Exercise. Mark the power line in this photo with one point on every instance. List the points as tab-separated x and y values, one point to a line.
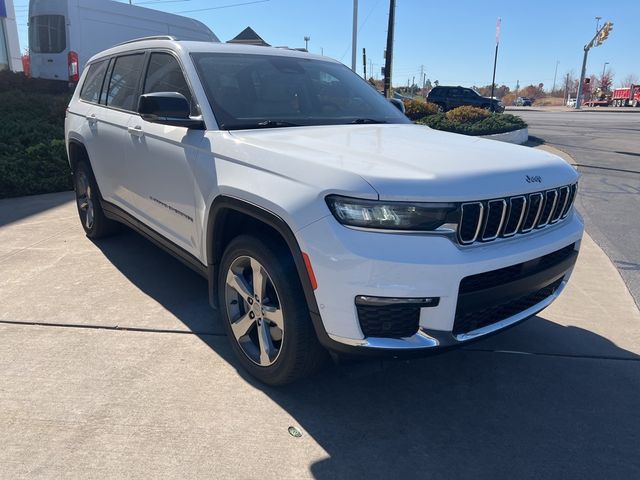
222	6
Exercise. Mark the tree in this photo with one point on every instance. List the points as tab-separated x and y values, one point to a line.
499	92
532	91
606	80
631	79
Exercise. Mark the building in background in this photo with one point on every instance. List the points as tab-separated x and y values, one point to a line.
249	37
9	45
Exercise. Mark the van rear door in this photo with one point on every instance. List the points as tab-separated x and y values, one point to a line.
48	47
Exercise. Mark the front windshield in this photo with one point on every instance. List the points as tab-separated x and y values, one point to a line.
267	91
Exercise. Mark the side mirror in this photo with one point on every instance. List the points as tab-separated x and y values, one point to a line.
399	104
168	108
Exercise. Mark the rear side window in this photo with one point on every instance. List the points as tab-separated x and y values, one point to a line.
93	84
47	34
165	75
123	86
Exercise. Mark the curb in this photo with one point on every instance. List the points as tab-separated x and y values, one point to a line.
517	137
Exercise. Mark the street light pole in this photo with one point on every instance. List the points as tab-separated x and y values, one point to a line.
495	60
554	77
354	35
604	69
306	43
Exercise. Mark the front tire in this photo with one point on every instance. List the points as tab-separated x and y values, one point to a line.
265	313
95	224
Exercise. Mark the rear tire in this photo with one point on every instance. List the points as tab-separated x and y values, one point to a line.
265	312
95	224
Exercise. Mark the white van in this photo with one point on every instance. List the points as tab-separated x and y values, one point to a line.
64	34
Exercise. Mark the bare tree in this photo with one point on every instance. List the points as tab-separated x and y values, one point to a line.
631	79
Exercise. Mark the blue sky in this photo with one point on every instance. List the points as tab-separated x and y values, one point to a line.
454	41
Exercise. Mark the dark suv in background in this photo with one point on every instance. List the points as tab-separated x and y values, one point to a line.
448	98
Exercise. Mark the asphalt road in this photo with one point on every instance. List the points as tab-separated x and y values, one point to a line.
606	146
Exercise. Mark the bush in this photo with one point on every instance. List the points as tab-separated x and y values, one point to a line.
417	109
467	114
32	154
490	125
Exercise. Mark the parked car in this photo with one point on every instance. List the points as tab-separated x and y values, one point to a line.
448	98
64	34
523	102
571	102
321	217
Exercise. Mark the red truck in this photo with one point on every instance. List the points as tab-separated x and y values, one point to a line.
624	97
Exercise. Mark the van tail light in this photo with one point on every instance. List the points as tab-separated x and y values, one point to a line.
74	67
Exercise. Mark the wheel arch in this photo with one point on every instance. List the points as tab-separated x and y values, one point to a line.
230	216
76	152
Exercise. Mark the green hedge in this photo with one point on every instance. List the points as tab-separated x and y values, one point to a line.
495	123
32	155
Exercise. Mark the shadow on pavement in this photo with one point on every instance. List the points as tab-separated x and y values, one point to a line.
472	413
14	209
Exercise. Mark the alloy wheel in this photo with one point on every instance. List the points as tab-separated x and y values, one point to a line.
254	311
84	198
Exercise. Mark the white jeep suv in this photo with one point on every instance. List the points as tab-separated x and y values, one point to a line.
320	216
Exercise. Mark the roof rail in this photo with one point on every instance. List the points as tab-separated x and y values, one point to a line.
152	37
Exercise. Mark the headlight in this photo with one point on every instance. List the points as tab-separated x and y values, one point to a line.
391	215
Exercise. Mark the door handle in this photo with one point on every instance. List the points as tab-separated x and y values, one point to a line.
136	131
92	119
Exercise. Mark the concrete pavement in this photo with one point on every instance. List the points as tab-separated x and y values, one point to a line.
114	366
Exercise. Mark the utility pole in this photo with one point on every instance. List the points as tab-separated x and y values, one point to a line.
604	70
413	82
597	40
364	62
354	35
566	90
306	43
495	58
554	77
422	75
389	52
371	72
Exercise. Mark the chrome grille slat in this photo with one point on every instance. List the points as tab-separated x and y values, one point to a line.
478	224
513	213
563	197
572	197
489	232
550	197
485	221
536	215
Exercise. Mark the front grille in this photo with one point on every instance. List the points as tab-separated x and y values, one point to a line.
389	321
486	220
470	321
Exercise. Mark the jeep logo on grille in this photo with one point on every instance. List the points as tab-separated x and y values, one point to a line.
533	179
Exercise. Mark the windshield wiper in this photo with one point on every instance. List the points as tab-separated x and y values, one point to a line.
368	120
263	124
277	123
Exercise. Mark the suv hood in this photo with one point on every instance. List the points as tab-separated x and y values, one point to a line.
414	162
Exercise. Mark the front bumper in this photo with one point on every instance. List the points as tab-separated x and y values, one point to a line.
349	263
